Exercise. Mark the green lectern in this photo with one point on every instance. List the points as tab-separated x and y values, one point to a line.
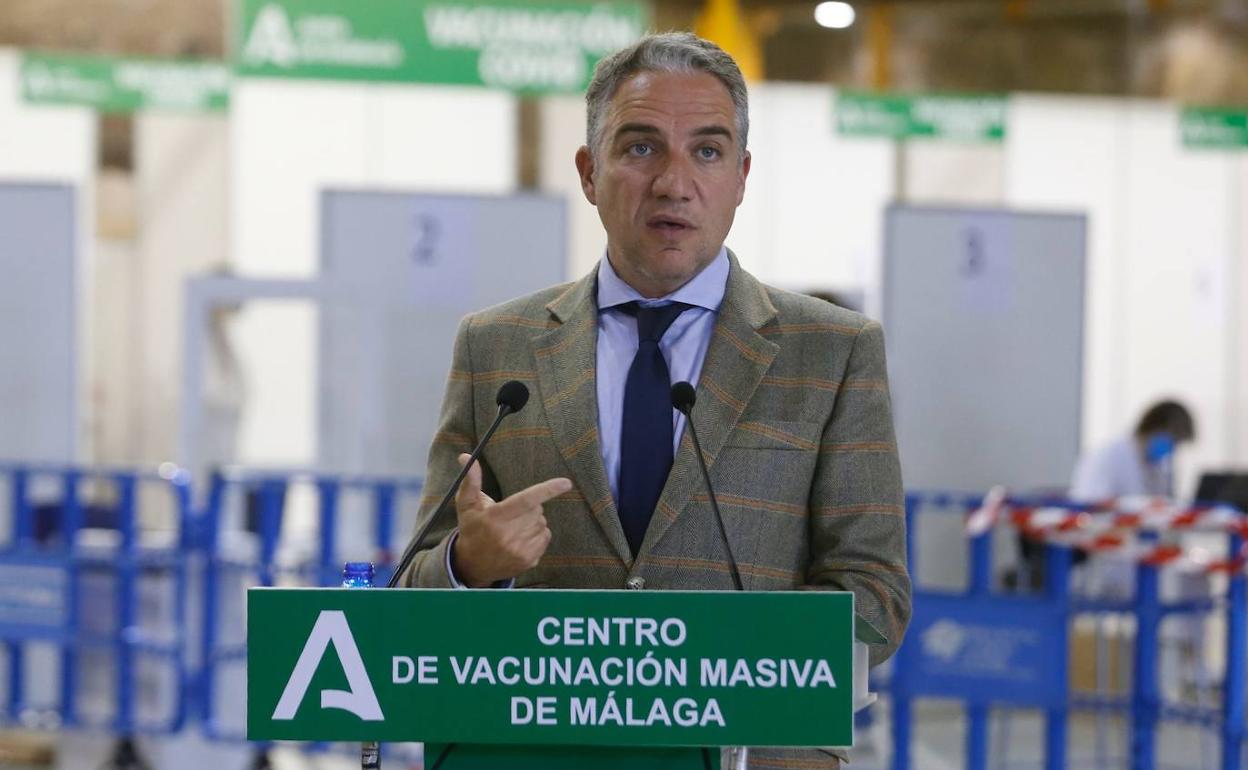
552	679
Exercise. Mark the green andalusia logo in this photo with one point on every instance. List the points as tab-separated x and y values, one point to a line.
271	40
308	39
331	628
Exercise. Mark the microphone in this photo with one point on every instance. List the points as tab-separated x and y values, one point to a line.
683	399
511	398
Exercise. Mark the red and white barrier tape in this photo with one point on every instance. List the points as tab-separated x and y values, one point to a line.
1114	527
986	515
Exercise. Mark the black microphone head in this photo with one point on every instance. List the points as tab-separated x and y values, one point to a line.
513	395
683	397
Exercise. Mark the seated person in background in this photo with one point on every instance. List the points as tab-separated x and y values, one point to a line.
1138	464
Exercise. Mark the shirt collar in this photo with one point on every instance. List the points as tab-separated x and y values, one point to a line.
705	290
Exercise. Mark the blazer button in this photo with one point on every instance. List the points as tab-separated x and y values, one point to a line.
635	583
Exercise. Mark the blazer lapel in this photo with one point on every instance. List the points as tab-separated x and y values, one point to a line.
736	361
566	363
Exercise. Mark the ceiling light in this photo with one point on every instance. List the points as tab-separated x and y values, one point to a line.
834	15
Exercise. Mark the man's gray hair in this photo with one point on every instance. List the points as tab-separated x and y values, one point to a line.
682	52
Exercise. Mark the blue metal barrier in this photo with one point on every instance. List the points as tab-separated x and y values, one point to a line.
64	579
1032	669
77	571
1236	671
262	497
983	648
1146	700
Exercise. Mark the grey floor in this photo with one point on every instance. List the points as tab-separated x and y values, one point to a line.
1016	743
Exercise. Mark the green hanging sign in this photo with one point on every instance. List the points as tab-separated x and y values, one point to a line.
1214	128
125	85
547	46
964	118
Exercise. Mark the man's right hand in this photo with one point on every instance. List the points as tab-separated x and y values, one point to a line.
499	540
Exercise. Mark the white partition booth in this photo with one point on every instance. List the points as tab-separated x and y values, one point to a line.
39	319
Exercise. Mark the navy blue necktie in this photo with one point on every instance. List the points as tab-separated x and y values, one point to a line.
646	433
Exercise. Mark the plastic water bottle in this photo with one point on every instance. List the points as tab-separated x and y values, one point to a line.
359	574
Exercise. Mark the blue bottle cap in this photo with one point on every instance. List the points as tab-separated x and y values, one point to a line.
357	574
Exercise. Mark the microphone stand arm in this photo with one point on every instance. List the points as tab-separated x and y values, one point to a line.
419	540
719	517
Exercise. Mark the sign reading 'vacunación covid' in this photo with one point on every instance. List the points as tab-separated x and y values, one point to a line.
586	668
511	44
965	118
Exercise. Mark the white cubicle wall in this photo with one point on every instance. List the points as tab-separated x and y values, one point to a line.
43	142
181	180
39	317
813	214
1237	380
1064	154
289	141
1167	240
1180	255
1165	253
984	311
406	268
1167	226
54	146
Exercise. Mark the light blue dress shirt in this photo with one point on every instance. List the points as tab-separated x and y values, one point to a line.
684	346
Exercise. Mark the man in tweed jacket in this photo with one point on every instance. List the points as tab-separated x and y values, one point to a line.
792	399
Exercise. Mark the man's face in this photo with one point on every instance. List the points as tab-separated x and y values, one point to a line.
667	177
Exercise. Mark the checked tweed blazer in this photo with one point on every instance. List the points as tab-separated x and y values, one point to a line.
793	412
